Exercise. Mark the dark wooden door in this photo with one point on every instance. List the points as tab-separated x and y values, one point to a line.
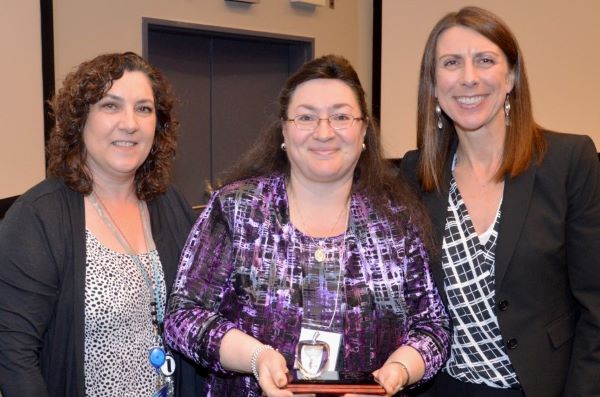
228	85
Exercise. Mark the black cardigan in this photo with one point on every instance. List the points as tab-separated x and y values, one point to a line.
42	284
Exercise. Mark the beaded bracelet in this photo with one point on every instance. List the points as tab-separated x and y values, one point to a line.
254	358
400	363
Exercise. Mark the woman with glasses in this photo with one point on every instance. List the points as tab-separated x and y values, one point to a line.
312	255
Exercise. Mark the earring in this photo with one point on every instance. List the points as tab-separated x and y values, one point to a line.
364	147
283	147
438	113
507	110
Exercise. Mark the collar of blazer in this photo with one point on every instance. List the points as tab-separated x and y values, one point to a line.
515	202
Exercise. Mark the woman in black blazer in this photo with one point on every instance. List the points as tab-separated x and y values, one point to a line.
516	210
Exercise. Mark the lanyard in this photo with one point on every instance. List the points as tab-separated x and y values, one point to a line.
321	258
156	310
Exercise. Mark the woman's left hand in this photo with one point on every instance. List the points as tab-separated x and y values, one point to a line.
392	377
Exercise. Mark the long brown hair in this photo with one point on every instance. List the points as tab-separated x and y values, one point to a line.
524	140
373	176
70	107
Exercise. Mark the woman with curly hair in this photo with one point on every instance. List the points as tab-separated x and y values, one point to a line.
87	256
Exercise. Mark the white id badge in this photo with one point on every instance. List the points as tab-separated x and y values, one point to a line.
317	351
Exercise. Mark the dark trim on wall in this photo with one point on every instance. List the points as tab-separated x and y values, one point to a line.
220	31
376	74
47	41
48	75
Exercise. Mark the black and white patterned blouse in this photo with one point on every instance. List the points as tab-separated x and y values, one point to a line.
477	354
118	324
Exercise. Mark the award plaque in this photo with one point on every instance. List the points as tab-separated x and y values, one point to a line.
335	383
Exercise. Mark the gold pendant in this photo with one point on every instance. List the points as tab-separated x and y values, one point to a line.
319	255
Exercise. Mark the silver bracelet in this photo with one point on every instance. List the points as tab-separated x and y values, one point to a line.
254	358
400	363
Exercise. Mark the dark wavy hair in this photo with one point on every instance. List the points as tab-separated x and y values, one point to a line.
373	176
524	139
84	87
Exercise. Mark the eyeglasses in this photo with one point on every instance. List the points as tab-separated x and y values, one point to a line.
338	121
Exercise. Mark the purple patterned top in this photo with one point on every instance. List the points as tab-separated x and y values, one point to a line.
241	268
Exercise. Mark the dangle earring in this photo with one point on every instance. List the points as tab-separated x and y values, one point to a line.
507	110
438	113
283	147
364	147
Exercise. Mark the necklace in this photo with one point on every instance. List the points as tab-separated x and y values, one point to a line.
320	252
341	266
341	262
159	357
152	285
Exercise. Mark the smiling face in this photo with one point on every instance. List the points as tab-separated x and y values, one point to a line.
323	154
472	79
119	130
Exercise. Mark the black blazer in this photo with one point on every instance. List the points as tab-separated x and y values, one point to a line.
547	266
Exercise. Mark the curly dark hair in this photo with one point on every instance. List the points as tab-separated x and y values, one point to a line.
84	87
374	176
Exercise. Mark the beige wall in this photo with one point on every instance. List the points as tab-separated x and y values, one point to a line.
84	28
21	109
559	40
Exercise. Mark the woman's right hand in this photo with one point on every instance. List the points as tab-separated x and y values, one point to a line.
272	374
240	352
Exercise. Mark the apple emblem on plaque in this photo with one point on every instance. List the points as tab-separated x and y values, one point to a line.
312	356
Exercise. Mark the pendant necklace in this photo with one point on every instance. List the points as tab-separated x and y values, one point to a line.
320	351
320	254
160	359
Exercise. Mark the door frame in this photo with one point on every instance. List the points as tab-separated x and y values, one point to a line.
300	48
220	31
